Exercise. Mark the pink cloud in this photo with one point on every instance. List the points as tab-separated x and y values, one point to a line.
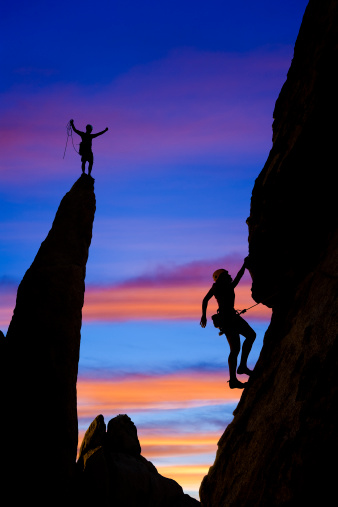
193	274
7	303
116	303
173	293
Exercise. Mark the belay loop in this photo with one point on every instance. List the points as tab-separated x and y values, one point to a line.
69	134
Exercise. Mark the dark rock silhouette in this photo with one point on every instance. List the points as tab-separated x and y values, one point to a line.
39	359
38	374
111	470
281	448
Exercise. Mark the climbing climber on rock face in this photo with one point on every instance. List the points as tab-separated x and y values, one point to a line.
230	322
86	145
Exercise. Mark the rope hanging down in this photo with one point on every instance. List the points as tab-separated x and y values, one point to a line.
69	134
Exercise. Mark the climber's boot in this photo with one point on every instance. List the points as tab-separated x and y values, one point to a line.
236	384
244	369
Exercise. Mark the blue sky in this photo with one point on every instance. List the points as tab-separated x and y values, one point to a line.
187	90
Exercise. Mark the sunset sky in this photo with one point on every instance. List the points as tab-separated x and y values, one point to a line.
187	89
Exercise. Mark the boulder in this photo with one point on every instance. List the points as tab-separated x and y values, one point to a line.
94	436
115	473
122	436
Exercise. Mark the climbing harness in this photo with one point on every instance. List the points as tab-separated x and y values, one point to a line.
217	318
70	135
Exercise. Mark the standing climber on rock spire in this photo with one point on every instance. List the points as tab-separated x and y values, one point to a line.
230	322
86	145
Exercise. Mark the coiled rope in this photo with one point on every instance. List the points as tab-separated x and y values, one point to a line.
69	135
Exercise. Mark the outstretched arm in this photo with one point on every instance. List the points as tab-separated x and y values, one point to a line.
73	127
100	133
205	302
239	274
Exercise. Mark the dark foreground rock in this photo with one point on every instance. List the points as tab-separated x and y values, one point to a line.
38	374
112	471
281	448
39	359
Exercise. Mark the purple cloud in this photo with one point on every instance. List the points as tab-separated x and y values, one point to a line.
191	106
193	273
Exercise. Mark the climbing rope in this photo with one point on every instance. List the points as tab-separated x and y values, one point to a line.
69	135
239	312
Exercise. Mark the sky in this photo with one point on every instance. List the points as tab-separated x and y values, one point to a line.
187	90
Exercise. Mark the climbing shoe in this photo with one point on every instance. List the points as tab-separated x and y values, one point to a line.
243	369
236	384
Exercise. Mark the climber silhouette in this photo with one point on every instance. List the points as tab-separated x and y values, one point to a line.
230	323
86	145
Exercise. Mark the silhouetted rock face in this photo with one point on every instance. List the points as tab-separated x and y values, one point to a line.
281	448
293	207
41	352
112	472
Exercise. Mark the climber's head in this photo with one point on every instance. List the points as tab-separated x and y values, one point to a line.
89	128
220	273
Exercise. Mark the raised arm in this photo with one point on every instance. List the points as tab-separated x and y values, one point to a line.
205	302
73	127
100	133
239	274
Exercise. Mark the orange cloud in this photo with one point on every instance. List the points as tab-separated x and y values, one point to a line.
172	293
158	447
157	303
154	446
187	476
178	390
145	393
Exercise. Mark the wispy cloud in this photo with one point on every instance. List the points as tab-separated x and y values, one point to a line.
129	247
191	274
141	392
164	446
188	476
167	293
8	290
187	106
157	303
173	444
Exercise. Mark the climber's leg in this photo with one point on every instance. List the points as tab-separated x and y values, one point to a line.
235	346
249	334
91	162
